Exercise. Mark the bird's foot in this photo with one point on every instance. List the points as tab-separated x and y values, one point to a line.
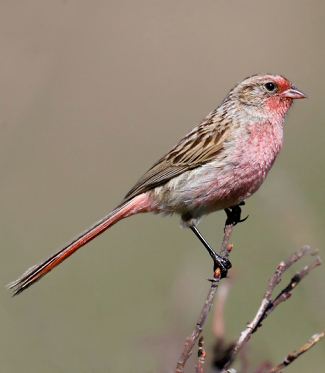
218	261
223	264
234	214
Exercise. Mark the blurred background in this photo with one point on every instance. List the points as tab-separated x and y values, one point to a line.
92	93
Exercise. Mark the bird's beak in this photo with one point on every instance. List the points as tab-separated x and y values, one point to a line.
293	92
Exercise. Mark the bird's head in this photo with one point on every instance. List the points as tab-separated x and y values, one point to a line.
267	94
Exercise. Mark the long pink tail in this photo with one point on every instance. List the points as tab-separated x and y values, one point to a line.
136	205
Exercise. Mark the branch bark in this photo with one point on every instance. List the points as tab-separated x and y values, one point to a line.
190	341
267	305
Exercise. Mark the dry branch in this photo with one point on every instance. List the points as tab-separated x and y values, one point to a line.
190	341
267	305
230	351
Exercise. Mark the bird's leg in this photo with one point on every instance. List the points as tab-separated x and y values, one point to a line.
233	214
219	262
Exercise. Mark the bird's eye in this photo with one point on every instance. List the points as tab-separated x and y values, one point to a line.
270	86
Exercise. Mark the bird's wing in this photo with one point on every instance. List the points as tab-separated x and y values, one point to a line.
200	146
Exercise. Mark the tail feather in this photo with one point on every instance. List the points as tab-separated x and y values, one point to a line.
36	272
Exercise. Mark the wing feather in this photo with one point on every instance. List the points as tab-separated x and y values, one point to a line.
200	146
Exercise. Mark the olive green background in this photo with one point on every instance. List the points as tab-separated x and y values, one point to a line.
92	93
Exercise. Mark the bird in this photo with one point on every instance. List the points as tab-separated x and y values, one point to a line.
216	166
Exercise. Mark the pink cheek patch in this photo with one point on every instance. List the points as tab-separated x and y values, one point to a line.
277	106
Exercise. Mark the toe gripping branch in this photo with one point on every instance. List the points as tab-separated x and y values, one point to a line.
234	214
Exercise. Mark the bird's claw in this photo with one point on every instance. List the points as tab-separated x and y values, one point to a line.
223	264
234	214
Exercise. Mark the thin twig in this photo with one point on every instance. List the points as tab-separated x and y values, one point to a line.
267	306
225	251
294	355
218	322
286	293
190	341
222	348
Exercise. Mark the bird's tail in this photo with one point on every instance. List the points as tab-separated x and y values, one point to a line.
136	205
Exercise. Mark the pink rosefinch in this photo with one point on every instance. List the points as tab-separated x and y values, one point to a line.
219	164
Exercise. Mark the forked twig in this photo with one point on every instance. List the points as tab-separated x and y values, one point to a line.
190	341
267	305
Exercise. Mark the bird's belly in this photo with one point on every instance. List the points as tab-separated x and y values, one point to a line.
208	188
